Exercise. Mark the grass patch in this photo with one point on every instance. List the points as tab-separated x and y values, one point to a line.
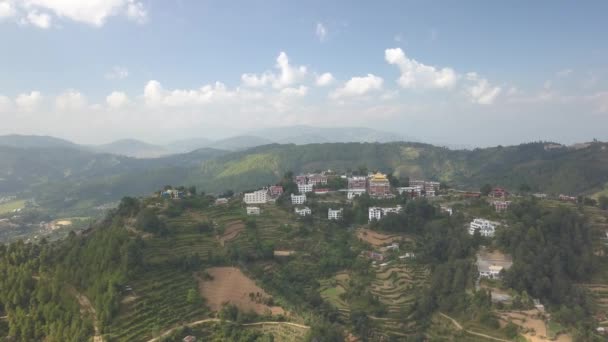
10	206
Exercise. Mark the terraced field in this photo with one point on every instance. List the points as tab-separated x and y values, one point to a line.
395	286
158	301
185	243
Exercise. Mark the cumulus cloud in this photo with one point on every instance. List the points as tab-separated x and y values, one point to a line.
5	103
70	100
287	75
7	9
321	32
299	91
480	91
117	73
358	86
155	94
324	79
41	20
117	99
28	102
418	75
41	13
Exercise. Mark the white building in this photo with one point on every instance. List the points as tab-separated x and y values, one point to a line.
256	197
303	211
447	210
334	214
486	228
304	188
492	272
376	213
253	211
416	191
298	199
352	193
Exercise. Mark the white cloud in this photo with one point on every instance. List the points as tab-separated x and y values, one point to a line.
28	102
7	9
42	13
117	99
155	94
417	75
117	73
137	12
299	91
357	86
287	75
70	100
321	32
564	73
480	91
5	103
41	20
324	79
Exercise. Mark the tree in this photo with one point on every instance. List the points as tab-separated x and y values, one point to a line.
603	202
486	189
149	222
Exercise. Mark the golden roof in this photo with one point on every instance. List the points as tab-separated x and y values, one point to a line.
379	177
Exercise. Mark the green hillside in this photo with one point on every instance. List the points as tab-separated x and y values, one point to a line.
68	178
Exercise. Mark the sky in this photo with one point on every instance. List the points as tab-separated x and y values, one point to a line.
476	73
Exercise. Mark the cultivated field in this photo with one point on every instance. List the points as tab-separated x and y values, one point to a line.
10	206
230	285
378	239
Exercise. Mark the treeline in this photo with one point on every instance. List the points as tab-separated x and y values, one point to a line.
552	251
37	304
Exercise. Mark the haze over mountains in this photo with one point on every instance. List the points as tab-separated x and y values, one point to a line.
299	135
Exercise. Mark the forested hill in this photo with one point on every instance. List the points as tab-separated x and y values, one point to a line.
54	175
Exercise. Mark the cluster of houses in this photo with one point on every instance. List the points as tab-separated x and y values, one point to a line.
377	213
172	194
485	227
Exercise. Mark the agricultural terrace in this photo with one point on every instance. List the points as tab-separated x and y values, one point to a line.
9	207
378	239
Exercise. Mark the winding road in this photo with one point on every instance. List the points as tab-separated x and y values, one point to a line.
459	327
215	320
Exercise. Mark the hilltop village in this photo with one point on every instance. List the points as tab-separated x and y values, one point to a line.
377	208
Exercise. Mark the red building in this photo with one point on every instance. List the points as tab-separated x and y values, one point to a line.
357	183
275	190
499	193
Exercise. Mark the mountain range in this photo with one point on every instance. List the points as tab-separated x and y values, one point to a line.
60	175
299	135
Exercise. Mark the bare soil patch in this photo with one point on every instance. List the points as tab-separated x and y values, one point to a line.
231	231
283	253
378	239
533	325
230	285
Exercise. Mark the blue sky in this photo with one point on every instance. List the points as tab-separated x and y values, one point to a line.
459	72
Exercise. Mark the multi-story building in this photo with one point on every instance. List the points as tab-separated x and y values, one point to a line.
317	179
256	197
301	179
567	198
357	182
303	211
253	211
298	199
376	213
412	191
379	186
275	191
334	214
499	193
486	228
352	193
501	206
304	188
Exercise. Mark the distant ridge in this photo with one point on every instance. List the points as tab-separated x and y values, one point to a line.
36	141
133	148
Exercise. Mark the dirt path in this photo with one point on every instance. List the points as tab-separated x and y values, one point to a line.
215	320
86	306
459	327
